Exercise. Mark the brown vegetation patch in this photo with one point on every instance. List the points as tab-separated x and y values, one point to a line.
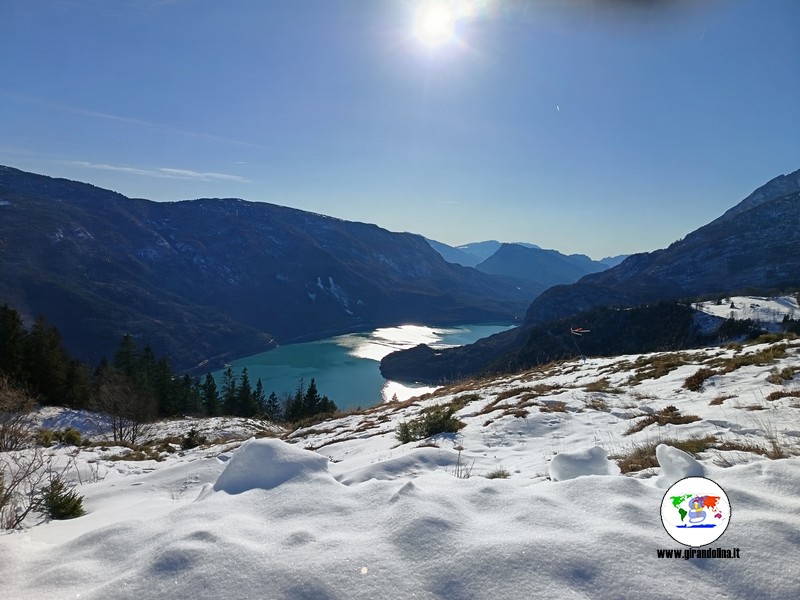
519	413
597	403
780	377
667	415
602	385
694	383
761	358
720	399
658	365
783	394
643	456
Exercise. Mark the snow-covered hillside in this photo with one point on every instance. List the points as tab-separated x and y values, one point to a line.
758	308
521	502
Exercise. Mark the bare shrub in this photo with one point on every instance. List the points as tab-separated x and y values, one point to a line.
15	407
21	473
21	467
129	410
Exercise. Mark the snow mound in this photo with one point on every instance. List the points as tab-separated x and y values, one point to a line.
266	464
592	461
417	461
676	465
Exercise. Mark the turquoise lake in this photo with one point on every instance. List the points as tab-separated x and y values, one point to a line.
345	367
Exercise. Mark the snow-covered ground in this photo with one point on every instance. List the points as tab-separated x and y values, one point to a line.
757	308
343	510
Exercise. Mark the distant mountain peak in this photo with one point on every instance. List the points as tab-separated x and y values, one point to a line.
781	185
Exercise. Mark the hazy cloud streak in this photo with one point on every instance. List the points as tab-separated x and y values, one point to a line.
167	129
163	172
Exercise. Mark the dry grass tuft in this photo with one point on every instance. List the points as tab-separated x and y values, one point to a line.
602	385
720	399
643	456
694	383
667	415
783	394
553	406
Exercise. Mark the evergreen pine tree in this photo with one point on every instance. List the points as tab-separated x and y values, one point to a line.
46	362
294	404
146	367
12	344
210	396
77	385
189	397
163	387
259	399
244	399
273	408
327	406
229	392
311	400
126	358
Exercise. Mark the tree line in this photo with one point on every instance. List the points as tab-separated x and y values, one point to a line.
136	380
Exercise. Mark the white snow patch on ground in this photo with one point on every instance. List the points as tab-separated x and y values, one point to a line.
757	308
675	465
342	510
592	461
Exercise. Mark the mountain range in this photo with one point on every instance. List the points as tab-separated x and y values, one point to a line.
471	254
207	280
753	248
529	263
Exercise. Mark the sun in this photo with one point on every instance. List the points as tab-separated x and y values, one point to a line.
435	25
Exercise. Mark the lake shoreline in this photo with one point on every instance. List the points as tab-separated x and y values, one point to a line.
346	367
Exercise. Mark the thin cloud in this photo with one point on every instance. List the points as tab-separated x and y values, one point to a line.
162	172
168	129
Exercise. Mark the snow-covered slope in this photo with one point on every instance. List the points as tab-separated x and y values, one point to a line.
758	308
343	510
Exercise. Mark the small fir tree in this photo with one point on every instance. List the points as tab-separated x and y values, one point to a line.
259	399
210	396
272	410
244	396
229	392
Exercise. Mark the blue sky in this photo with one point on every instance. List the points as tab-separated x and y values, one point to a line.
592	126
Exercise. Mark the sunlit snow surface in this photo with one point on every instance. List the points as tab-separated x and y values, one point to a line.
341	510
757	308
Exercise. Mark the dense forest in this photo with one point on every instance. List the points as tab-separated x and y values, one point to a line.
136	380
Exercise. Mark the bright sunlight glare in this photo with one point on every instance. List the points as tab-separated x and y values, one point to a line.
435	25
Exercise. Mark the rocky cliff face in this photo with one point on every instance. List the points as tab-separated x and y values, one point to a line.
205	280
